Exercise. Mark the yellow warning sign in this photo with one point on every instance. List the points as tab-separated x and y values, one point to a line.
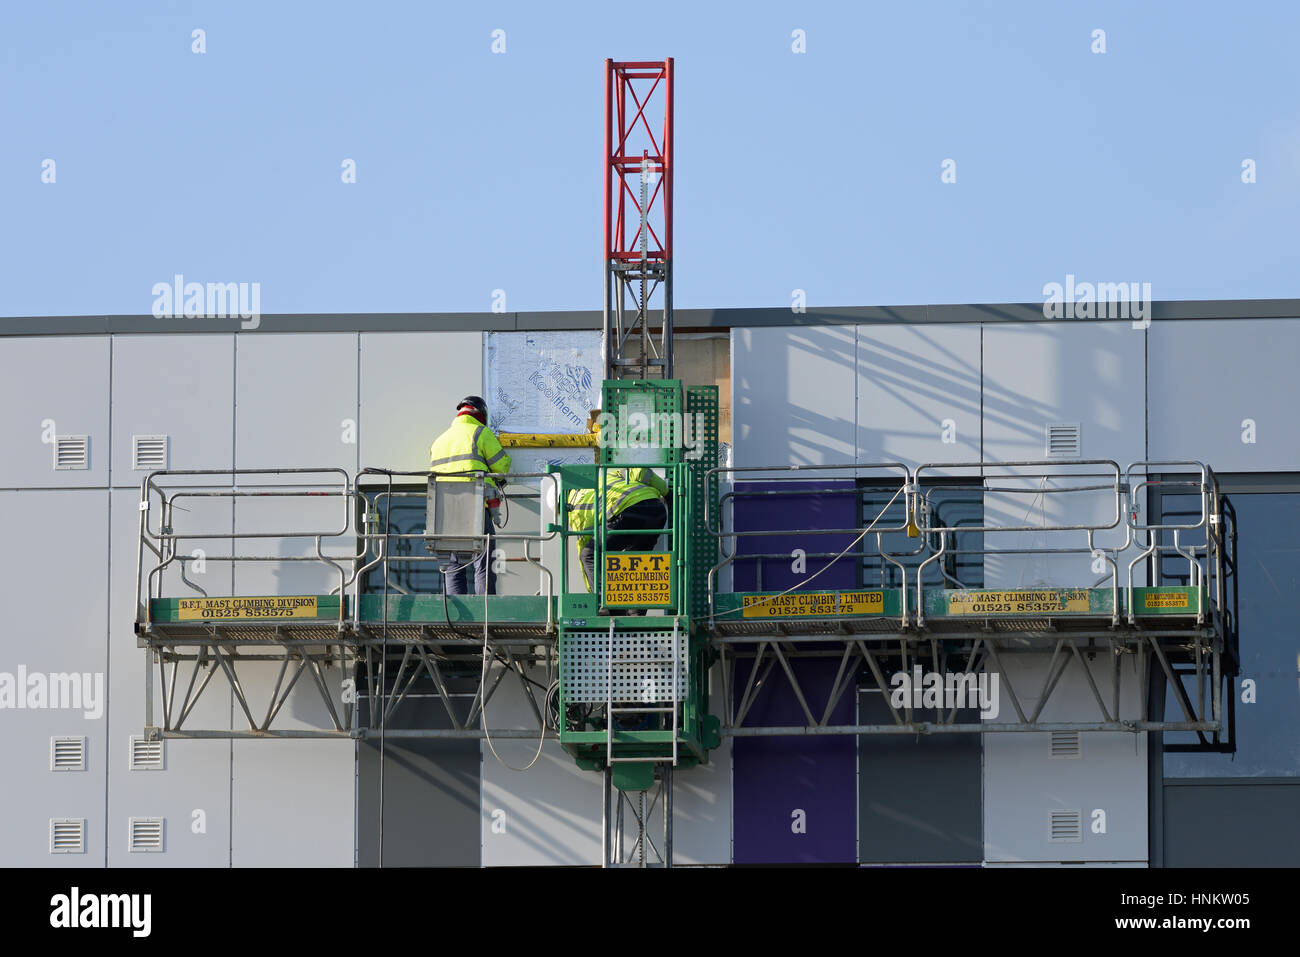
204	609
638	578
813	604
1166	601
862	603
1051	601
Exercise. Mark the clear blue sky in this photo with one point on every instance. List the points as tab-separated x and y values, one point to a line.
477	171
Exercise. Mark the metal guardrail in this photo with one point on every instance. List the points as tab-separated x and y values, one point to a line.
1116	496
164	534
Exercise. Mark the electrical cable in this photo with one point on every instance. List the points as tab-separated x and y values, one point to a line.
487	734
383	668
483	672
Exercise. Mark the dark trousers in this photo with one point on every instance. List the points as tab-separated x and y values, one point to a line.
650	514
485	579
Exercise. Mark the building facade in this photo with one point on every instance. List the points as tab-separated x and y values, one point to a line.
1201	382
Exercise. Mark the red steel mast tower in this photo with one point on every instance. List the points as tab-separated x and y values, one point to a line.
638	340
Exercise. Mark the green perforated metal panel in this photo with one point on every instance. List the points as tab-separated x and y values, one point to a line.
702	553
661	399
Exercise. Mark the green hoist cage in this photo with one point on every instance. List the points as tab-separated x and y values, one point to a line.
634	657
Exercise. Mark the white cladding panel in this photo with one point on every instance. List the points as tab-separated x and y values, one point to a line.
53	664
794	395
410	384
1107	783
192	792
549	814
296	402
179	386
918	393
53	386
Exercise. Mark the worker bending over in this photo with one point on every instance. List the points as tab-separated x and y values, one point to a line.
635	498
470	446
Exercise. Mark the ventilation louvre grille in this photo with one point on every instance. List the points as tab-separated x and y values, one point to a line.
1066	744
67	754
146	835
1065	827
148	452
67	835
146	755
71	452
1063	441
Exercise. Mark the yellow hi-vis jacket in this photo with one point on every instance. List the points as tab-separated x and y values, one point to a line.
467	446
623	489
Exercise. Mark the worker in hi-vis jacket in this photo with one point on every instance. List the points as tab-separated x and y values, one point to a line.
635	498
469	445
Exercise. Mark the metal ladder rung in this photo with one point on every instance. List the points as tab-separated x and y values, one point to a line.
675	660
633	760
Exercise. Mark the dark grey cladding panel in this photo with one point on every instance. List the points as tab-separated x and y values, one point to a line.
591	319
566	319
919	798
1233	822
431	792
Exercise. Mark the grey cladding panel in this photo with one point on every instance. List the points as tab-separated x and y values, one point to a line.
293	803
179	386
1038	374
431	793
410	384
52	387
1232	824
549	814
295	395
53	651
793	395
196	776
1024	784
918	798
1211	381
918	393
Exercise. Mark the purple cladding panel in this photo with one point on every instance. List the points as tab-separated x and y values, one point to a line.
793	505
795	798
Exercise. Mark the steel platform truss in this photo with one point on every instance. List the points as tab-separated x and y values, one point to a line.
967	669
341	671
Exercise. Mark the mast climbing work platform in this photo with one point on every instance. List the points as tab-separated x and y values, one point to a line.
360	637
899	597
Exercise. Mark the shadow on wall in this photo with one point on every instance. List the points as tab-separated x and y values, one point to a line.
926	389
1078	369
801	386
800	415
